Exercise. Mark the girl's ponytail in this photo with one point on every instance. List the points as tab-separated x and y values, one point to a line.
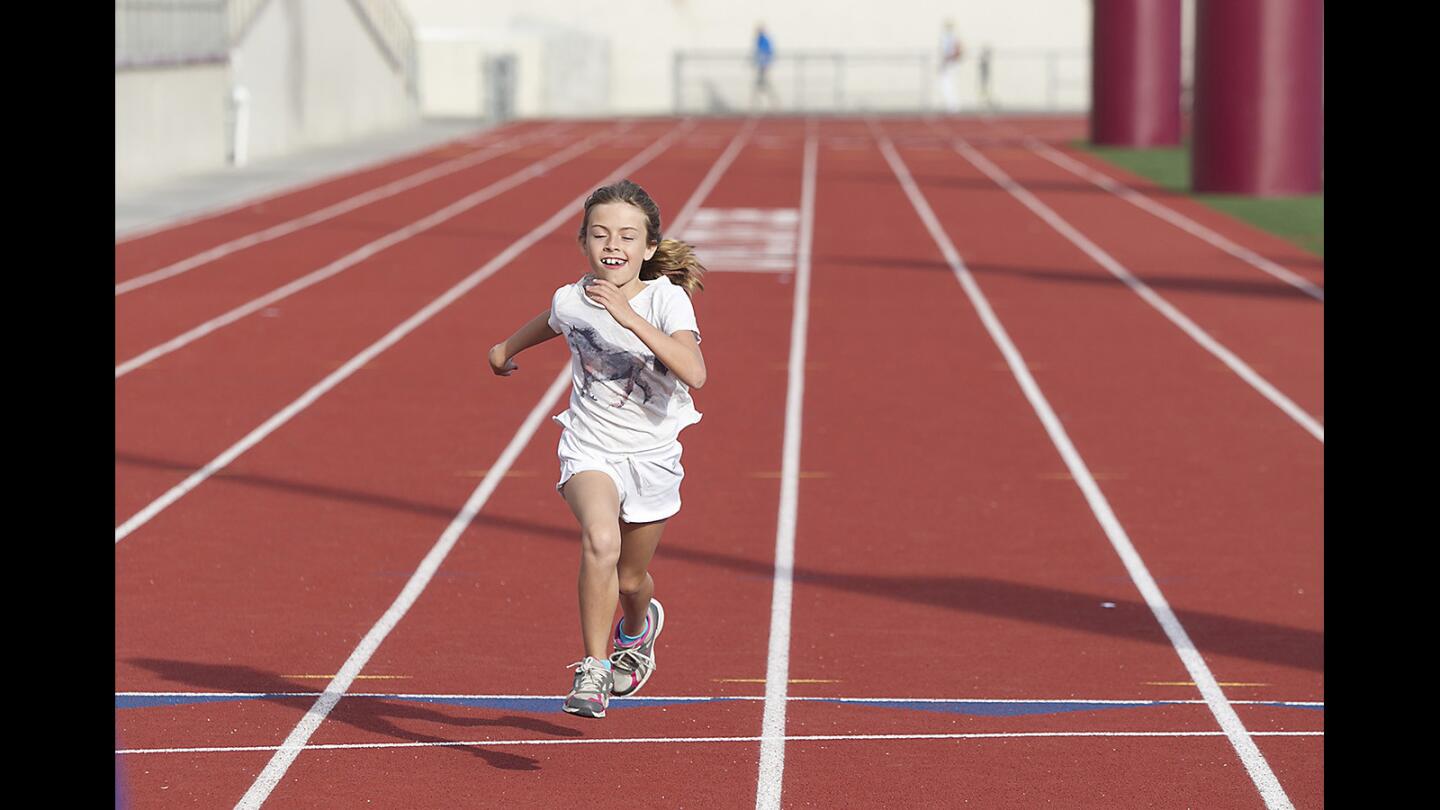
676	261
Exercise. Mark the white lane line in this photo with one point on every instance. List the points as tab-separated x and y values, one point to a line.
286	753
368	250
671	740
777	667
1140	288
476	141
330	212
414	321
1173	217
620	701
1249	753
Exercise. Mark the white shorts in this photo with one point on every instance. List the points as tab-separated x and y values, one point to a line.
648	483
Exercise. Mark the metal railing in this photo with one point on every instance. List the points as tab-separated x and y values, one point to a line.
394	33
720	82
170	32
150	33
1021	74
724	82
242	14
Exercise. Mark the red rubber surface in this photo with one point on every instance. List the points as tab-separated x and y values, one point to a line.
941	549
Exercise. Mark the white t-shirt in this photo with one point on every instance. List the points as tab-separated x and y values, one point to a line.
623	399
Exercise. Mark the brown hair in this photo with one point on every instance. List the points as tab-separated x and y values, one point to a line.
673	259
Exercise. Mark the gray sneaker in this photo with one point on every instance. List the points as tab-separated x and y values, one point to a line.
633	665
591	693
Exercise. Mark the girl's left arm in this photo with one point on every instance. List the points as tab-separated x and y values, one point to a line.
679	352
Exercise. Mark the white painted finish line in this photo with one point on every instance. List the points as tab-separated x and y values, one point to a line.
745	240
642	702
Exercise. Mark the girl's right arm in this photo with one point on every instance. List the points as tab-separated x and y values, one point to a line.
535	332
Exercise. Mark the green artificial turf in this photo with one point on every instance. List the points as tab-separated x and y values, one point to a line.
1298	219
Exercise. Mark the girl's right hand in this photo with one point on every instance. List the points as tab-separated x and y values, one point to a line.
499	363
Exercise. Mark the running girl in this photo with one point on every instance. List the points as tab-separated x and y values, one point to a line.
635	353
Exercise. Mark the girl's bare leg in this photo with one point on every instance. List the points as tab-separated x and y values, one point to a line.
596	503
637	545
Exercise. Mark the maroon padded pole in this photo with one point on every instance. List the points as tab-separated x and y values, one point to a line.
1135	73
1259	97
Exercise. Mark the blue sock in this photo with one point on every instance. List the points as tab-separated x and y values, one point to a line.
627	639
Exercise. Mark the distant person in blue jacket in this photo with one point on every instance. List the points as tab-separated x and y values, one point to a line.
764	55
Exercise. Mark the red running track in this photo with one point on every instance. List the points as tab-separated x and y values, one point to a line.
942	550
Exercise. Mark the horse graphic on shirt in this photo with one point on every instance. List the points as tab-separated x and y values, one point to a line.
600	361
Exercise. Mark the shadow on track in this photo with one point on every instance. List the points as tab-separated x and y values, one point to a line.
1131	618
374	715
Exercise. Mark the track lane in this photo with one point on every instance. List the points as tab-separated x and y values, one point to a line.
348	492
292	559
177	414
150	316
1270	246
1220	448
1275	328
1224	505
948	775
713	571
916	568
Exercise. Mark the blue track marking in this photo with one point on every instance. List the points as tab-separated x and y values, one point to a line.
1320	707
151	701
546	705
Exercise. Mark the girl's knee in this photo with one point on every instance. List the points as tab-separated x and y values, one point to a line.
601	544
632	582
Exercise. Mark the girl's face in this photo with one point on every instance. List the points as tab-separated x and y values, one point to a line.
616	242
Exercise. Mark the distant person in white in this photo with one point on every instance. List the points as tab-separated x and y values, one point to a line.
950	53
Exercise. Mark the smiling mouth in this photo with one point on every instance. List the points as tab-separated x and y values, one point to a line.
610	262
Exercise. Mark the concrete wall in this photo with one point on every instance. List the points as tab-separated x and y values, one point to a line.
641	37
169	121
313	76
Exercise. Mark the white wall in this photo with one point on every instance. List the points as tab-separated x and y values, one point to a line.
169	121
315	76
643	35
